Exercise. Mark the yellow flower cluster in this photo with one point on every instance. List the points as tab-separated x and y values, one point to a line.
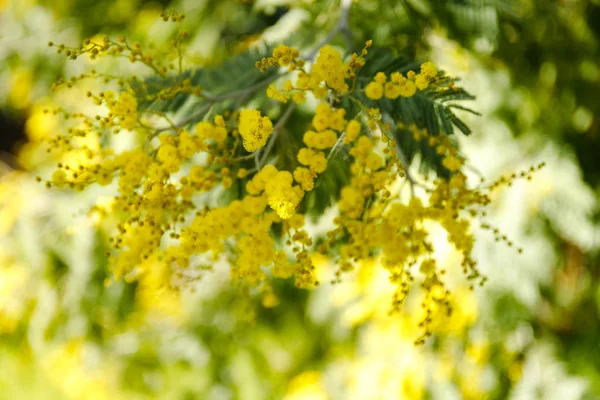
160	221
283	56
372	221
249	222
217	132
352	131
329	73
442	145
281	194
124	108
320	140
330	68
399	85
328	123
254	129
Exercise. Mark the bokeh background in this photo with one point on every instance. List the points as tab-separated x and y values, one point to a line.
532	332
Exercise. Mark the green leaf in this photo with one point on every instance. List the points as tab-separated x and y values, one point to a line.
459	107
327	187
429	109
235	74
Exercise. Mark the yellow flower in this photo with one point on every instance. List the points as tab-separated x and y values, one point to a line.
282	196
407	88
380	78
242	173
125	108
374	90
305	177
330	67
59	176
421	82
320	92
352	131
219	134
254	205
206	130
282	268
285	202
307	385
321	140
427	267
254	251
285	55
188	145
458	181
258	182
227	182
299	97
168	155
452	163
197	173
397	77
374	162
362	148
297	221
254	129
351	202
315	160
429	70
219	121
275	94
288	85
392	91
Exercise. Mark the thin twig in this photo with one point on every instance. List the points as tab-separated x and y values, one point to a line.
216	99
242	92
404	161
244	158
198	114
337	142
476	172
